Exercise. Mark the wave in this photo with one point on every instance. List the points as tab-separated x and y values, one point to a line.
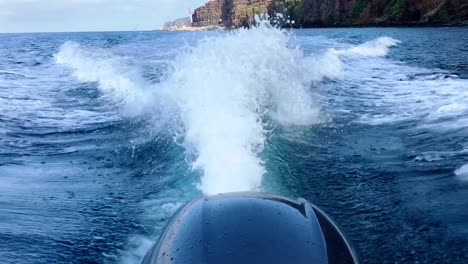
13	75
375	48
115	78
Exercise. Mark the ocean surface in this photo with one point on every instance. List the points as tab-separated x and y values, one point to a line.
103	136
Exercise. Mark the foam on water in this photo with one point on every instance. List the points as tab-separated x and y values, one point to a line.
374	48
394	92
391	92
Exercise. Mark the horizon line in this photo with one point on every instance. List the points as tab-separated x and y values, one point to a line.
84	31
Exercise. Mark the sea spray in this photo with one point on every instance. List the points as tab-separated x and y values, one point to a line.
225	91
228	87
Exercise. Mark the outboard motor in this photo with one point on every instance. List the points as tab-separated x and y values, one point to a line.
250	228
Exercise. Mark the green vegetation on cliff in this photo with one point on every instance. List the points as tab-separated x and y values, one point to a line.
442	15
244	14
394	9
358	8
295	10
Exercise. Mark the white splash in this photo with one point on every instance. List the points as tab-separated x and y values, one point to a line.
115	78
224	90
228	86
462	172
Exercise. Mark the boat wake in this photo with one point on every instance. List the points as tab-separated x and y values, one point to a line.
225	92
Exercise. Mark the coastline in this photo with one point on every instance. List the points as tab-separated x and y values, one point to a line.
396	25
191	28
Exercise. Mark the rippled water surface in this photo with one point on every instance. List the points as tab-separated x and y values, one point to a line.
103	136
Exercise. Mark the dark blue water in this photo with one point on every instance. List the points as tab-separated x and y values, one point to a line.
104	135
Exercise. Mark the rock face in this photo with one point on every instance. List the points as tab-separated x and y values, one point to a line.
210	14
232	13
316	13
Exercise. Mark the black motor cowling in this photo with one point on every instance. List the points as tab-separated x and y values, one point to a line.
250	228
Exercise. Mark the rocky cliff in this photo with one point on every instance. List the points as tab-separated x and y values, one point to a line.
233	13
313	13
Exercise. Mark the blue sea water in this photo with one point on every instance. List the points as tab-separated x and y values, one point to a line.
103	136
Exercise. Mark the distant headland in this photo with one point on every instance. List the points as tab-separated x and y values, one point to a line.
325	13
